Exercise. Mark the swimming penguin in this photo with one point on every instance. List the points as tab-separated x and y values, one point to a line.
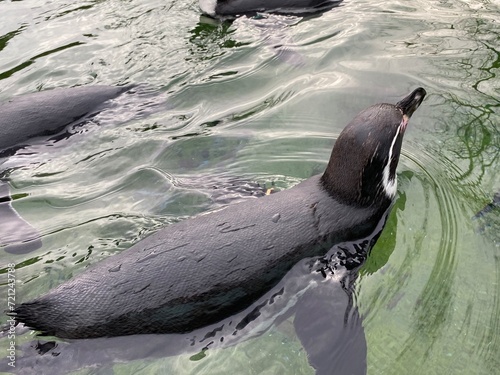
47	112
232	8
204	269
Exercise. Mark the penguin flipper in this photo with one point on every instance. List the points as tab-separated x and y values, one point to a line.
330	330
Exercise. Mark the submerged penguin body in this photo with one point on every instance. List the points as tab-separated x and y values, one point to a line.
232	8
204	269
47	112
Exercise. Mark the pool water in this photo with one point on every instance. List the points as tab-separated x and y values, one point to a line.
263	99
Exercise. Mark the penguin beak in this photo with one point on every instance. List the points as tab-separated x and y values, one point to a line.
410	104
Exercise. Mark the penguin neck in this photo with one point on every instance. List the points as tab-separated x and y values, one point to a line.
356	182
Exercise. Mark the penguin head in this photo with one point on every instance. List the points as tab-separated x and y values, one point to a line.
362	167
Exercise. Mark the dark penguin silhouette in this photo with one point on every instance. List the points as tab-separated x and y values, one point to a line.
47	112
38	114
232	8
197	272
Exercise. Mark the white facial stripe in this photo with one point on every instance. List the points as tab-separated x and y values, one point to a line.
208	6
391	186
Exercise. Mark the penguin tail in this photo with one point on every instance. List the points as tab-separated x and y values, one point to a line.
35	315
